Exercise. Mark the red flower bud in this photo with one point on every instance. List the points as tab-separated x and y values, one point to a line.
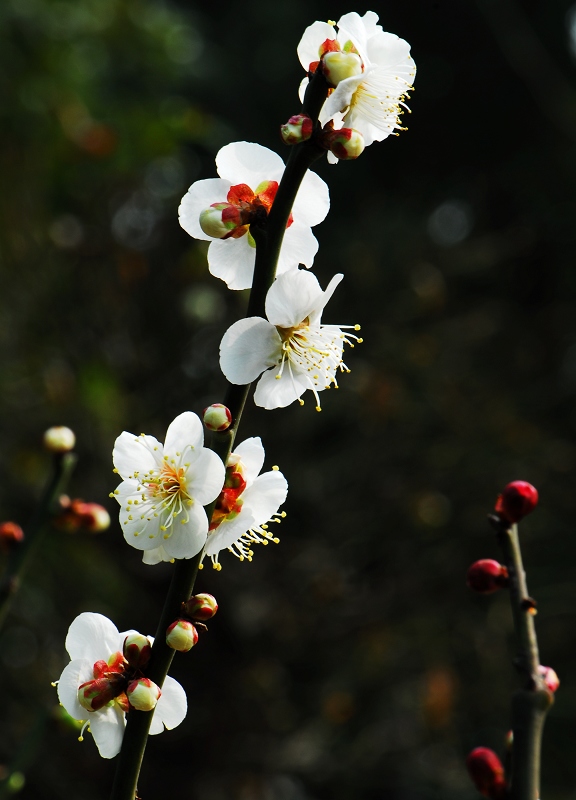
550	677
487	772
487	576
143	694
10	534
137	650
217	417
181	635
298	129
518	499
201	607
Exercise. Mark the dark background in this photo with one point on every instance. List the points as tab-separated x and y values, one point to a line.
350	661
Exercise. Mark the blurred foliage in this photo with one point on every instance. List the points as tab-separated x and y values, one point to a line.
351	660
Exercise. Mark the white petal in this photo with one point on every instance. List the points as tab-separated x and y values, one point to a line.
205	477
229	532
201	195
389	50
351	26
140	533
312	201
77	672
341	97
271	393
292	297
232	260
332	159
247	348
188	538
155	556
107	728
302	88
250	163
312	38
132	454
299	247
316	312
93	637
186	432
251	451
266	495
171	707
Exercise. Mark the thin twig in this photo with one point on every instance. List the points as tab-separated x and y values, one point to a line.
62	466
530	703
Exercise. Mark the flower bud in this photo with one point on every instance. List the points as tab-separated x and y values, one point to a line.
201	607
550	678
217	417
220	220
59	439
10	534
339	65
487	772
143	694
346	143
518	499
96	694
181	635
93	516
137	650
487	576
297	129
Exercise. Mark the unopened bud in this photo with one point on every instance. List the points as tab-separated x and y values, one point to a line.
339	65
217	417
59	439
297	129
346	144
201	607
487	772
518	499
10	534
97	693
181	635
137	650
143	694
550	678
220	220
94	517
487	576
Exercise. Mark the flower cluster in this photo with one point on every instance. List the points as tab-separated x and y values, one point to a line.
100	686
178	499
372	72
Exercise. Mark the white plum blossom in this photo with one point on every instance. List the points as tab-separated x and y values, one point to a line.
247	503
370	99
165	487
249	177
292	349
94	645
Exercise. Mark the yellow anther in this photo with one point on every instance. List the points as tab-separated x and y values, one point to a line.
301	401
318	408
163	528
357	327
275	468
276	540
130	516
200	566
115	470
